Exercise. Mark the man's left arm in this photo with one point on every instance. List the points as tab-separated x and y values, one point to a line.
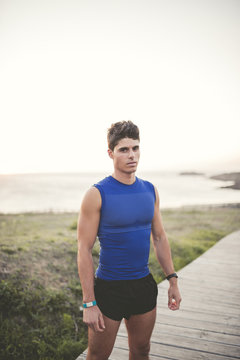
163	253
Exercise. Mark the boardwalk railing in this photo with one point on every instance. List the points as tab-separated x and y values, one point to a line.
208	324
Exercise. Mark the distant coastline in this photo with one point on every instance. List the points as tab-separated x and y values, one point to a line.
191	173
234	176
231	176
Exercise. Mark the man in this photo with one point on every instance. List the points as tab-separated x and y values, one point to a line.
123	211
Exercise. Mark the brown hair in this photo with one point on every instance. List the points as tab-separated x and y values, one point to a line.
121	130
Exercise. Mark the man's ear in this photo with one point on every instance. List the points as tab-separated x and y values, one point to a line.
110	153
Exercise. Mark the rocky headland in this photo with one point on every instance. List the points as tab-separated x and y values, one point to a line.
234	176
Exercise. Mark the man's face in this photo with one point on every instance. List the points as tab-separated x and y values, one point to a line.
125	155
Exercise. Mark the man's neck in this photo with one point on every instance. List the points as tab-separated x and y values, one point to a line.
125	178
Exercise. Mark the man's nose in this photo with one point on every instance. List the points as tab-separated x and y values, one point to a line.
131	154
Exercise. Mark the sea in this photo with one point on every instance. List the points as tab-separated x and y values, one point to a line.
63	192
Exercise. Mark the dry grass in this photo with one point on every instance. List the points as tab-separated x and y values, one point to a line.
44	245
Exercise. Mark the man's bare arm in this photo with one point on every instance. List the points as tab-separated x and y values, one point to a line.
88	223
163	253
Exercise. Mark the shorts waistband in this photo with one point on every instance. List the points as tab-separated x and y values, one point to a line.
123	281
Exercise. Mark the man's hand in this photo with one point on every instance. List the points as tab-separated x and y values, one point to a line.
174	297
93	318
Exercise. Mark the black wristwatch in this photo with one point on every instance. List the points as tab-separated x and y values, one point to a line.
171	276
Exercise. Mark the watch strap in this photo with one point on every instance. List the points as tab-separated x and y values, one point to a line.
171	276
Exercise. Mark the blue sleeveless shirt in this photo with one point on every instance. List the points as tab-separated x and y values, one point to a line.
125	228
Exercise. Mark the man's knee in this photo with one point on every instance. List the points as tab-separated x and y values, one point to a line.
139	349
98	354
99	351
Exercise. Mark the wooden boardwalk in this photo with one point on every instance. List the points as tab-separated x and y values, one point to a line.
208	324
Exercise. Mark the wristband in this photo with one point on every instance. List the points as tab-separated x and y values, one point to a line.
171	276
87	305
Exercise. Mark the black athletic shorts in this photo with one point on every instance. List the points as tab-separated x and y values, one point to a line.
119	299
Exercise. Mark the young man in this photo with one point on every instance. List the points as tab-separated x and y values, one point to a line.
123	211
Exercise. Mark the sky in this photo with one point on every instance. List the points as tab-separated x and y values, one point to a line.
69	69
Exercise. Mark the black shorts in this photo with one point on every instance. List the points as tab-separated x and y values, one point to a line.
119	299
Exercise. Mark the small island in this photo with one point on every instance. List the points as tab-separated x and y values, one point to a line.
191	173
234	176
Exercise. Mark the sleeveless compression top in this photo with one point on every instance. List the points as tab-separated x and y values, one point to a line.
125	228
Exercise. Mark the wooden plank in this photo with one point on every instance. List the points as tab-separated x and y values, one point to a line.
174	351
200	314
211	291
216	317
202	324
202	334
208	324
192	332
190	305
203	340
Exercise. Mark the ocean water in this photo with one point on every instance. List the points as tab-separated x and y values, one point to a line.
64	192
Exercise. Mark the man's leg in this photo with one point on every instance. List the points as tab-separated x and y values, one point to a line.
100	344
140	329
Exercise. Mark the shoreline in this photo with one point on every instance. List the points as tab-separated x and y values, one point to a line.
192	207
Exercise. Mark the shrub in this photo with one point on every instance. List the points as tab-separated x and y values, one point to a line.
36	323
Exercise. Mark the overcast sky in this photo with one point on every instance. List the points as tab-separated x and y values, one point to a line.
68	69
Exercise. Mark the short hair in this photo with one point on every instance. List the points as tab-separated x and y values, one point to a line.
121	130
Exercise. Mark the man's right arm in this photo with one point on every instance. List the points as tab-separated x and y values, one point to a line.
88	223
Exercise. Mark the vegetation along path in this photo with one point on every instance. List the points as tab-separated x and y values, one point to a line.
40	292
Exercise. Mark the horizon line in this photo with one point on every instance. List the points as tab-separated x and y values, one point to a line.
91	172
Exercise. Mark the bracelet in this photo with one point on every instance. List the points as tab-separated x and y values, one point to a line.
171	276
89	304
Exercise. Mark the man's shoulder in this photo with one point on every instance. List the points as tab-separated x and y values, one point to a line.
103	181
145	182
147	186
102	185
91	199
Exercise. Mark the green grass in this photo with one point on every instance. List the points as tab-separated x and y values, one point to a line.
40	291
36	323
